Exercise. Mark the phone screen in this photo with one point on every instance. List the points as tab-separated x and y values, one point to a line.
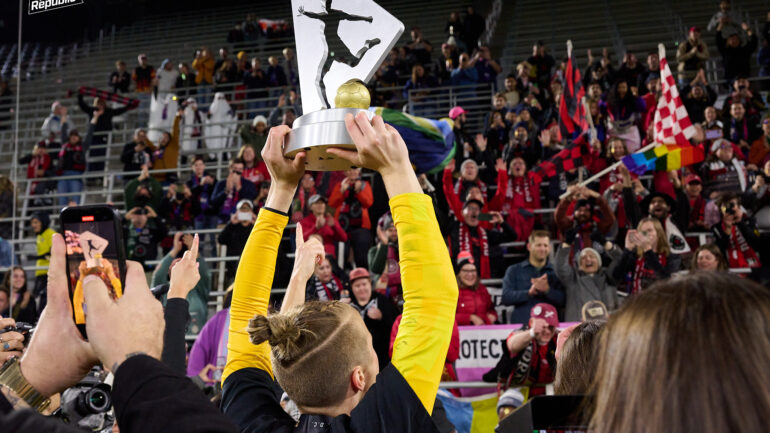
485	217
94	246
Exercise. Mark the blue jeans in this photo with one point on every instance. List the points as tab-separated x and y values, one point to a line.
73	186
204	95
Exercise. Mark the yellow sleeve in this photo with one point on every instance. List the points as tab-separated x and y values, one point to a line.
251	293
116	285
77	303
430	296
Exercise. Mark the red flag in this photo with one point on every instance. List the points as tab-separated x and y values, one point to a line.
572	113
672	123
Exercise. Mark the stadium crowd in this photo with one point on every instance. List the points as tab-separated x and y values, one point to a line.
622	239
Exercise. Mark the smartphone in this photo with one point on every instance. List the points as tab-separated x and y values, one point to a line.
713	134
94	241
485	217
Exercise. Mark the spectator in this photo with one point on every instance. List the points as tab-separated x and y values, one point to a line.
631	70
201	184
225	71
486	66
496	132
166	156
646	257
143	232
283	114
276	76
722	171
254	169
101	115
529	353
57	122
638	344
72	162
691	56
740	129
255	79
325	284
708	257
236	232
352	198
120	79
178	209
221	124
250	27
254	135
15	287
227	193
763	59
197	298
653	67
185	82
736	55
383	259
724	18
325	225
300	207
576	353
204	66
697	97
192	134
600	71
40	223
587	279
143	77
137	153
623	109
165	79
419	47
143	191
736	235
473	27
465	74
543	64
376	310
672	214
419	80
39	165
290	63
591	218
533	280
757	198
752	103
446	61
510	91
693	187
209	352
235	35
522	197
474	305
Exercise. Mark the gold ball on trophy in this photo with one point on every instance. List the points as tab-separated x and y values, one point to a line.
353	94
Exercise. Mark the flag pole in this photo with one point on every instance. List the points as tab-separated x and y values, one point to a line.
609	169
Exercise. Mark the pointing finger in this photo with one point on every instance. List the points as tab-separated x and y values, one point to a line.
300	238
194	248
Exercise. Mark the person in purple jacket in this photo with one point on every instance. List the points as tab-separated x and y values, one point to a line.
209	353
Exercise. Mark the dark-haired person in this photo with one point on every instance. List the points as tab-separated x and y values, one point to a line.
590	216
623	109
41	226
143	191
201	184
376	310
723	171
72	162
339	390
228	192
352	198
383	258
576	359
474	305
143	232
234	235
736	235
733	317
15	284
646	258
708	257
323	224
179	208
467	233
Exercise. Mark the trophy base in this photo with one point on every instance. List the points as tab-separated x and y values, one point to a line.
317	131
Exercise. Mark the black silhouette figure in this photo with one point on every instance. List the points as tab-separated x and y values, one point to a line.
331	19
92	248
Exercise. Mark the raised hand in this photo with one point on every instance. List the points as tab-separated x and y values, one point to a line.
306	256
185	275
284	172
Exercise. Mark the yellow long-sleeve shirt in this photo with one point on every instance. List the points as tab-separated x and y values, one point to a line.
427	278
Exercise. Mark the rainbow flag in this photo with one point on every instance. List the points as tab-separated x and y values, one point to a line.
663	158
430	142
470	414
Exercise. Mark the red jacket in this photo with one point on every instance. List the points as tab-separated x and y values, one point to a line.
365	197
330	234
476	302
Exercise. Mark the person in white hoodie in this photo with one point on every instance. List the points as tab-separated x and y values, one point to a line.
221	123
56	120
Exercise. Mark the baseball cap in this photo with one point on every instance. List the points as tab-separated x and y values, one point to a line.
546	312
358	273
463	258
455	112
473	200
695	29
245	202
314	198
692	178
594	310
511	397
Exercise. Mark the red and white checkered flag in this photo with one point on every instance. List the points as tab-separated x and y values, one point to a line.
672	124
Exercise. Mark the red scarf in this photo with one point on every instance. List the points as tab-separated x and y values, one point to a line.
697	210
739	253
641	272
467	242
460	186
519	186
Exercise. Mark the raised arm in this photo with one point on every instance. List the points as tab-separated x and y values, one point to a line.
254	277
306	257
428	281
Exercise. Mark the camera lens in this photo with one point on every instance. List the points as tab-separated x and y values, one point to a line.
96	400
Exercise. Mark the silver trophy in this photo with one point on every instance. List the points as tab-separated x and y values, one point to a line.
362	34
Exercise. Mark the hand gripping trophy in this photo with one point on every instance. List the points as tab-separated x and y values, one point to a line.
332	82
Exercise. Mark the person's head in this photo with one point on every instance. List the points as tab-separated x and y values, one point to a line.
621	89
237	166
415	33
495	118
322	355
710	113
39	222
594	90
538	49
734	41
417	73
307	182
467	273
248	155
288	117
273	61
510	83
589	261
165	139
317	204
653	61
577	361
652	229
140	135
6	184
469	170
616	148
199	165
659	206
139	218
539	245
473	192
386	224
694	34
184	68
499	101
142	60
223	53
74	137
523	69
458	115
245	212
142	196
323	270
724	5
583	212
520	132
546	312
631	59
259	124
708	334
741	84
471	210
508	402
288	53
708	257
464	60
353	174
723	150
517	167
120	65
15	280
693	185
697	92
737	110
729	204
255	64
361	285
